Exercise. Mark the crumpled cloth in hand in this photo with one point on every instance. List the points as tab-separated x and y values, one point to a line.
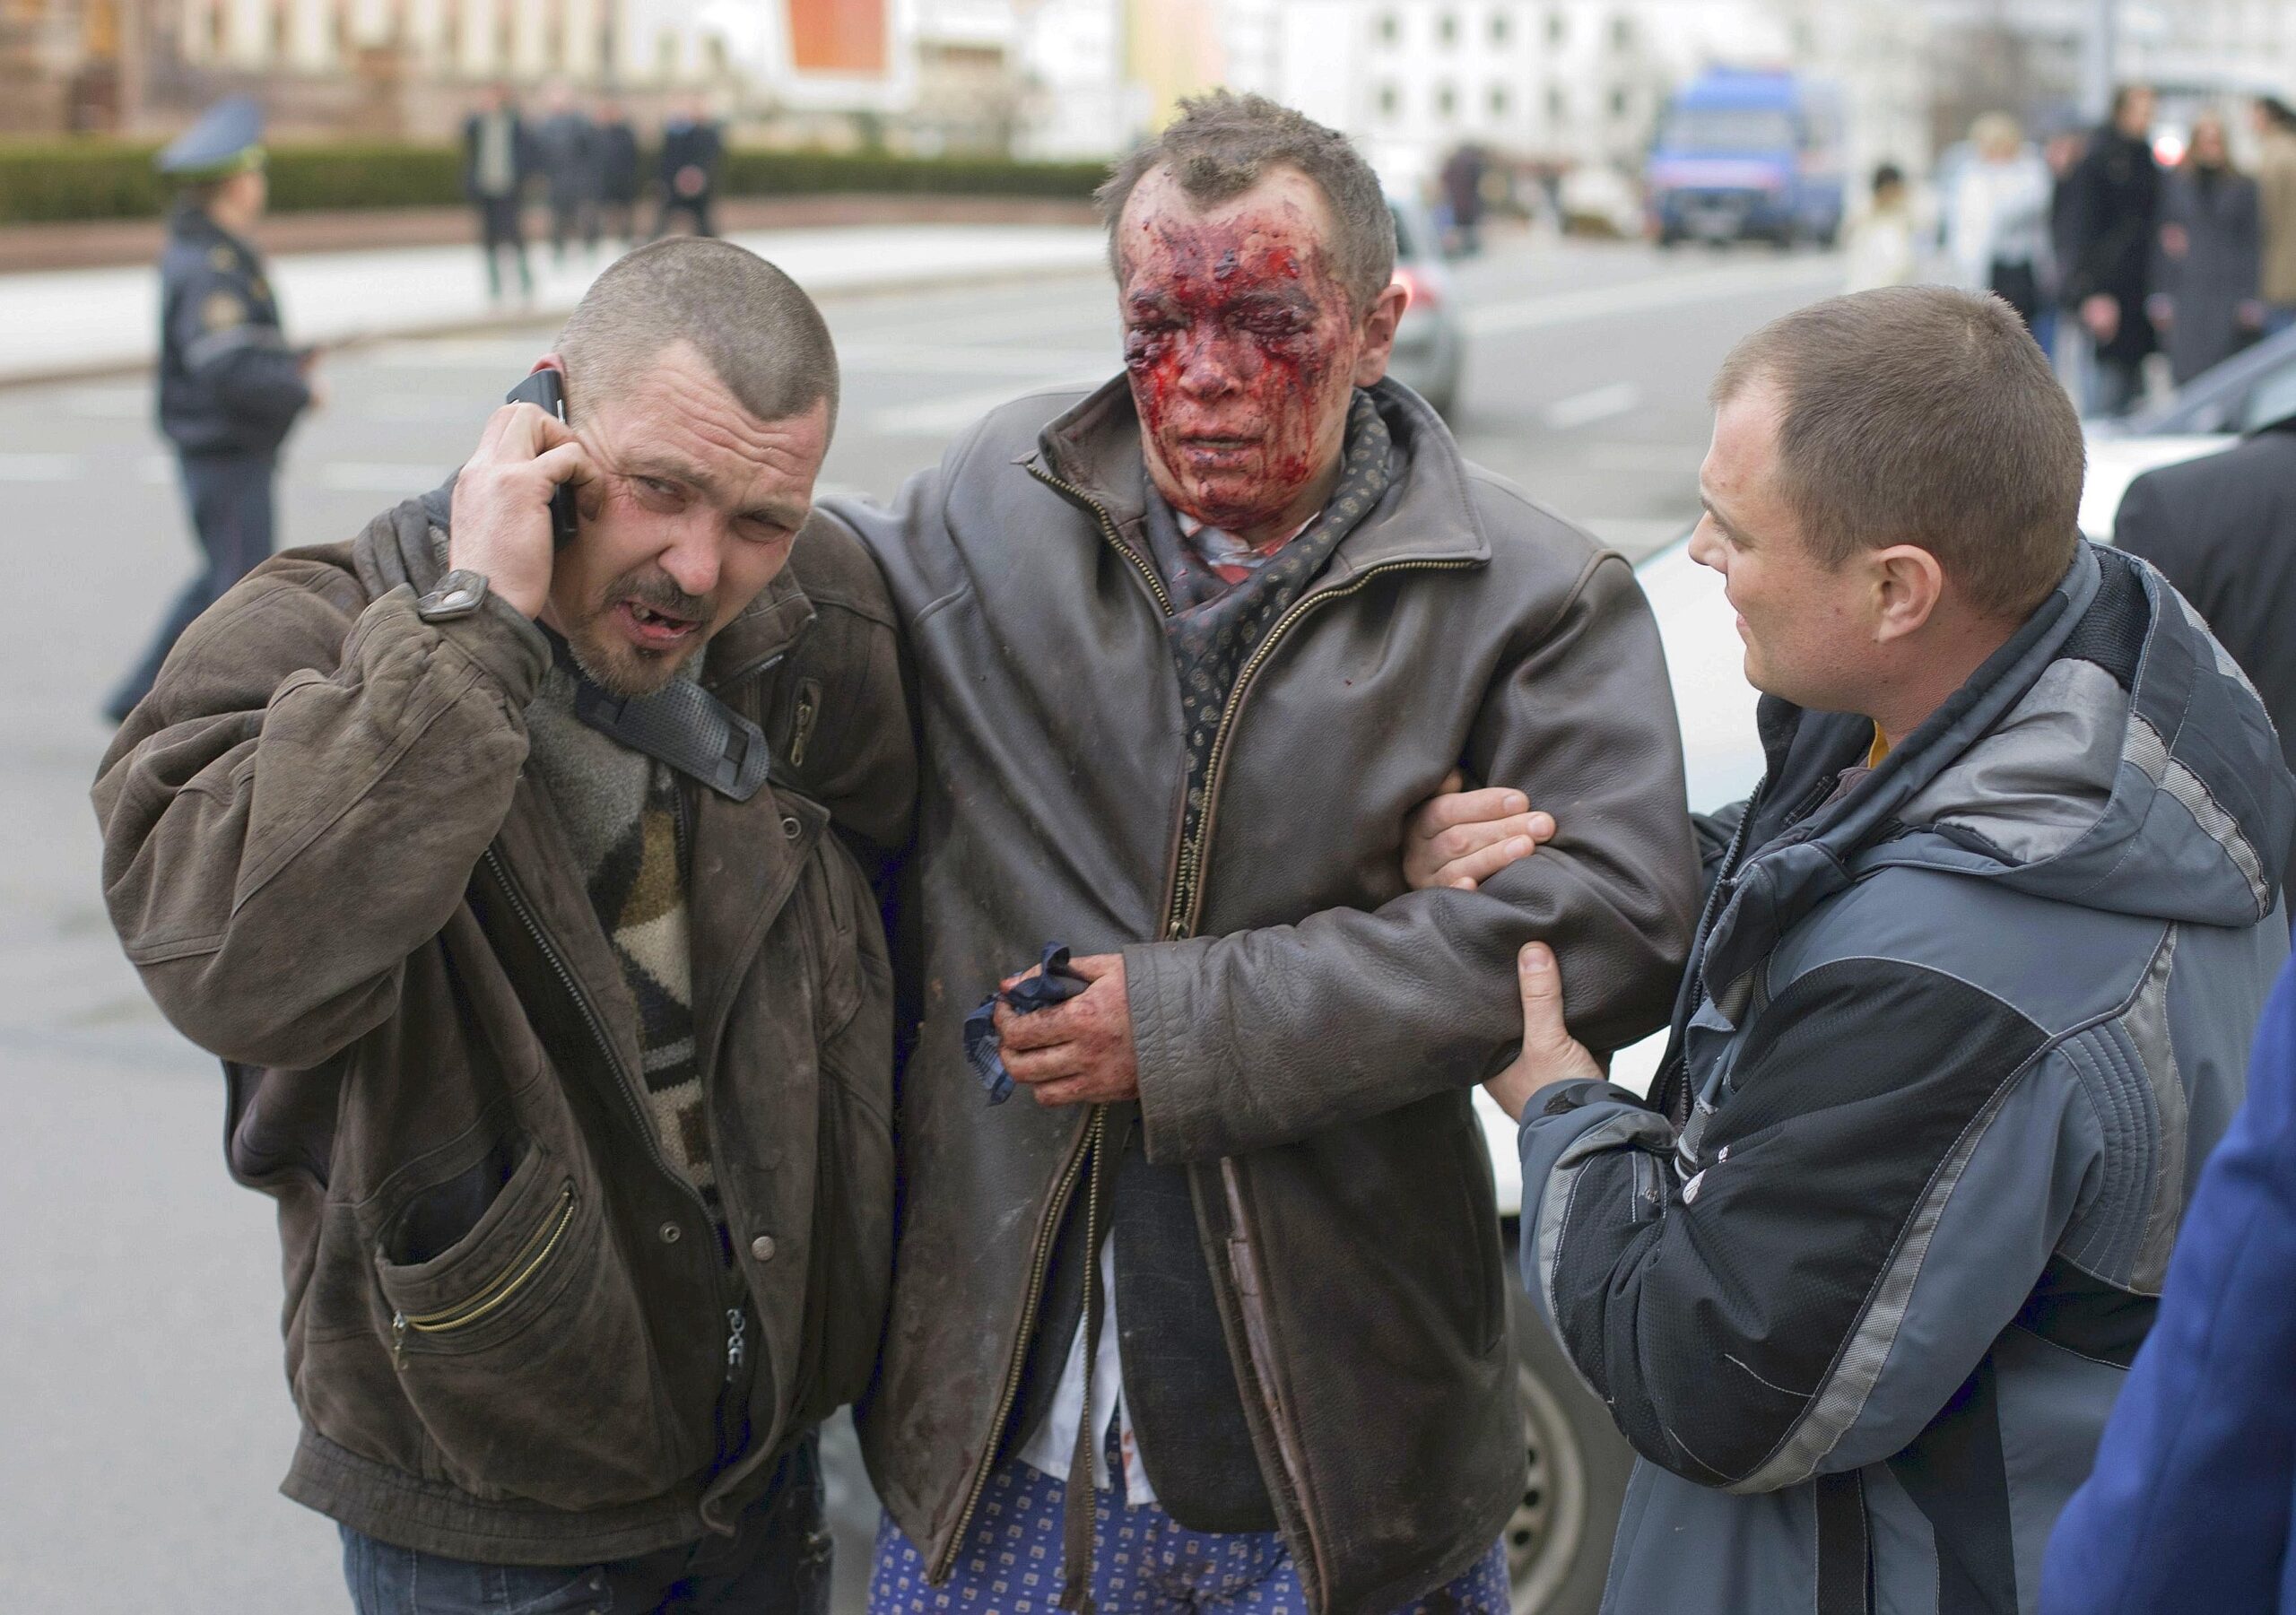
1057	984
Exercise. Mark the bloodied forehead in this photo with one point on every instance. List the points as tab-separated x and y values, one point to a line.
1272	240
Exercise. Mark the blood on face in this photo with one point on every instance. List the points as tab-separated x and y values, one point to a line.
1241	346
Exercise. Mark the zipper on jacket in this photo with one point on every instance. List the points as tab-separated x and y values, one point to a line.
495	1292
1108	530
1040	1259
638	1116
801	727
737	1323
1187	899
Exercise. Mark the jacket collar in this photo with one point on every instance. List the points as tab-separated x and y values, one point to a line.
1427	515
407	546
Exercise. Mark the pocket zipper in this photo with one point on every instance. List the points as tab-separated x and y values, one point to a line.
512	1279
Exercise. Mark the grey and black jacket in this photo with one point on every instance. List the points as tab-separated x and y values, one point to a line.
1861	1280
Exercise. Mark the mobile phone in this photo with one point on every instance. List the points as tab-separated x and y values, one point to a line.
546	390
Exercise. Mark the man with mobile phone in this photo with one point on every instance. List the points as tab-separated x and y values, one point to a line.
559	1031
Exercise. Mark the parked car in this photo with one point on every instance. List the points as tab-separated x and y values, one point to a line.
2211	413
1430	343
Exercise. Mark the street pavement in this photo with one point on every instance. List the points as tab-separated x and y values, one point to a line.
143	1415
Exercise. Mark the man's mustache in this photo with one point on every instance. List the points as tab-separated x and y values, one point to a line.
658	591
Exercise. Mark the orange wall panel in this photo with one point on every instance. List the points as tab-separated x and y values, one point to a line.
838	36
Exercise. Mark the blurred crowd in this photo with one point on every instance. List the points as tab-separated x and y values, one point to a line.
586	162
2110	254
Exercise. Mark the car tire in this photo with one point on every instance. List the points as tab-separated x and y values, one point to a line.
1559	1541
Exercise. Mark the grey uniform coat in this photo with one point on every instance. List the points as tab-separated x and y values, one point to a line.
1863	1281
2216	224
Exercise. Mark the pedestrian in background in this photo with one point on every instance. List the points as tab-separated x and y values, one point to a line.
1996	221
497	158
2112	198
1462	174
618	173
692	149
2187	1507
2276	124
566	151
230	388
2209	247
1881	249
2222	529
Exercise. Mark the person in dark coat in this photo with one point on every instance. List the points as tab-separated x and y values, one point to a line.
692	148
2111	198
2222	529
566	149
2187	1507
618	173
230	388
498	159
2211	249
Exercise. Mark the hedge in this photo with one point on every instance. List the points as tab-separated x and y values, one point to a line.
47	181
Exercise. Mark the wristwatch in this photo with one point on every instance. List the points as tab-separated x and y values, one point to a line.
457	595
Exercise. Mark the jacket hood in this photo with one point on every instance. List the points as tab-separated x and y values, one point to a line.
2112	755
406	544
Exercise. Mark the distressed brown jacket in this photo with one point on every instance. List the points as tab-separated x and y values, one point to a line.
1308	1032
506	1319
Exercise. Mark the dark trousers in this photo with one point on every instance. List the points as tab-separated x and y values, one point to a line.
620	217
571	216
776	1563
229	500
696	208
502	228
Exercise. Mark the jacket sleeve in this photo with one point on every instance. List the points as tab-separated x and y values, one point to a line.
299	804
249	366
1880	1189
1262	1037
2188	1507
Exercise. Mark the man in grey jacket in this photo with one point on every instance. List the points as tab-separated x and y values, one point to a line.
1968	1006
1187	650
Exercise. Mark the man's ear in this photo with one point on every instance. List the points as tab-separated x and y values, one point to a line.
1379	328
1908	583
549	361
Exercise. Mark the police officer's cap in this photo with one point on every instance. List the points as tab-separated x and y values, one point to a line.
227	138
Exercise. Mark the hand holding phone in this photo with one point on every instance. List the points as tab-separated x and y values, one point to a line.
514	498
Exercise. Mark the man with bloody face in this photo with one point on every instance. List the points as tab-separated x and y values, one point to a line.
1188	651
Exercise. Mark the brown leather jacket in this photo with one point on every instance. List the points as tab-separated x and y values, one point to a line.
322	853
1308	1032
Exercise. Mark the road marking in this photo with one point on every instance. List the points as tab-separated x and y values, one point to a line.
1584	408
420	407
366	476
40	468
1656	291
938	417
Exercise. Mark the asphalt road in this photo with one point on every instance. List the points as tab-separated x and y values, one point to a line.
143	1416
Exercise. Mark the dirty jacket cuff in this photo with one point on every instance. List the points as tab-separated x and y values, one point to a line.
1179	1077
504	644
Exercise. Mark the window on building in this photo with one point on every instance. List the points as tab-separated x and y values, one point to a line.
279	28
1618	103
1558	104
1500	30
1558	28
1622	33
1390	100
1447	103
1447	28
219	27
1498	98
1389	28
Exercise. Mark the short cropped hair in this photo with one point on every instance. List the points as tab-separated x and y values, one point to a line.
1222	144
1924	415
755	327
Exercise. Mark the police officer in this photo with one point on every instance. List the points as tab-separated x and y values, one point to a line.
230	386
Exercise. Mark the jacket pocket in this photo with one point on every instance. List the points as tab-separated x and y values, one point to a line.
523	1350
